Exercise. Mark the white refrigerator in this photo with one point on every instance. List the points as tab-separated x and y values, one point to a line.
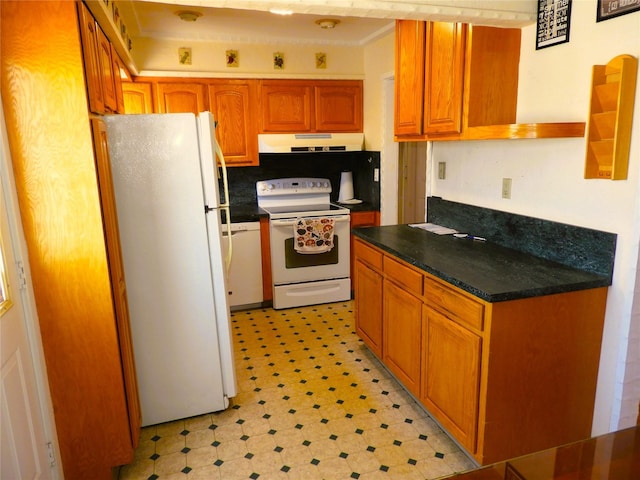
169	216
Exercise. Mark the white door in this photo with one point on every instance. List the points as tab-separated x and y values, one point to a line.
24	453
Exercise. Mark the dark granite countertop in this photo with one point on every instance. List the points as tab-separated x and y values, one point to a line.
485	269
252	213
245	213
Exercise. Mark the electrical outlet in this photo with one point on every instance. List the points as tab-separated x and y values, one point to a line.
442	170
506	188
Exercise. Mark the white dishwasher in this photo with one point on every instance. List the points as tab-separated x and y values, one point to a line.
245	274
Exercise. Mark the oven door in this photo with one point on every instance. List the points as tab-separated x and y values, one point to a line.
289	266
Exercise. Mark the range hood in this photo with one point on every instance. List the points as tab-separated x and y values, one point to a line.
310	142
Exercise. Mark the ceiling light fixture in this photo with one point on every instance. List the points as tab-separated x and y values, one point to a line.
281	11
188	15
327	23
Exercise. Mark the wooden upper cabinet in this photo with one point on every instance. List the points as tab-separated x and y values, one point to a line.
89	35
287	106
137	97
491	76
106	72
338	107
451	77
232	103
409	77
299	106
444	77
181	98
118	67
100	65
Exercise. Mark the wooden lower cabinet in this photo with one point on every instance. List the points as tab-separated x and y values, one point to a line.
451	378
368	295
503	379
402	330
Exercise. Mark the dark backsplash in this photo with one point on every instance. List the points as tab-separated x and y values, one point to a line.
242	180
578	247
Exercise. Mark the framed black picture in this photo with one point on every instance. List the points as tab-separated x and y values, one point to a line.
614	8
554	20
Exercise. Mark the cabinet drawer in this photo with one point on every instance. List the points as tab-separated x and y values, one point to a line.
403	275
368	255
466	311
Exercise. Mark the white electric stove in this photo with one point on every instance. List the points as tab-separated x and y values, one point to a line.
305	278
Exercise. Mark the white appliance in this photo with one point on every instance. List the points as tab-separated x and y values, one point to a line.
309	142
168	203
305	278
245	273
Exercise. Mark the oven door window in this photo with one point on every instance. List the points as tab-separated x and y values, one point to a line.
294	259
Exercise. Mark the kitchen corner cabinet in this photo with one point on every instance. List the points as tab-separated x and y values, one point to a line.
613	91
447	87
69	231
231	102
137	97
181	97
503	379
307	106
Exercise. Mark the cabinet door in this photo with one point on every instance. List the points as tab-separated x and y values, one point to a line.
118	66
237	131
137	98
361	219
106	72
444	77
286	107
116	271
409	77
368	297
181	98
451	382
88	32
402	334
338	107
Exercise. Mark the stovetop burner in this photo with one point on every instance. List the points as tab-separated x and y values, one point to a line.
295	197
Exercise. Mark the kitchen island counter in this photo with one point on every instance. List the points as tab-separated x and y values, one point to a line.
487	270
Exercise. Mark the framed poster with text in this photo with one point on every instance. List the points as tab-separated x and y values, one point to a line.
554	20
614	8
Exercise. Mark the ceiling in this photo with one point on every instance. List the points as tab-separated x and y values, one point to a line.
249	21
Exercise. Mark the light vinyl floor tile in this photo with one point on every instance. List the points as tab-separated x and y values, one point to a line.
313	403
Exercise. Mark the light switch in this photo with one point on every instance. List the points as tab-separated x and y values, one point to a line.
442	170
506	188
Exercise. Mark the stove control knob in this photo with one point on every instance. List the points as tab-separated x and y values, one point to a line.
325	184
269	186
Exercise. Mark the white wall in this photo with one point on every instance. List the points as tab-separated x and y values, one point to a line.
548	183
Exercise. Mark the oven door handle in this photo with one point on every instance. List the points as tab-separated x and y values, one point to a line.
291	223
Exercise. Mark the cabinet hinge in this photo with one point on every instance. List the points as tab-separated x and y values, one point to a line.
22	278
52	455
